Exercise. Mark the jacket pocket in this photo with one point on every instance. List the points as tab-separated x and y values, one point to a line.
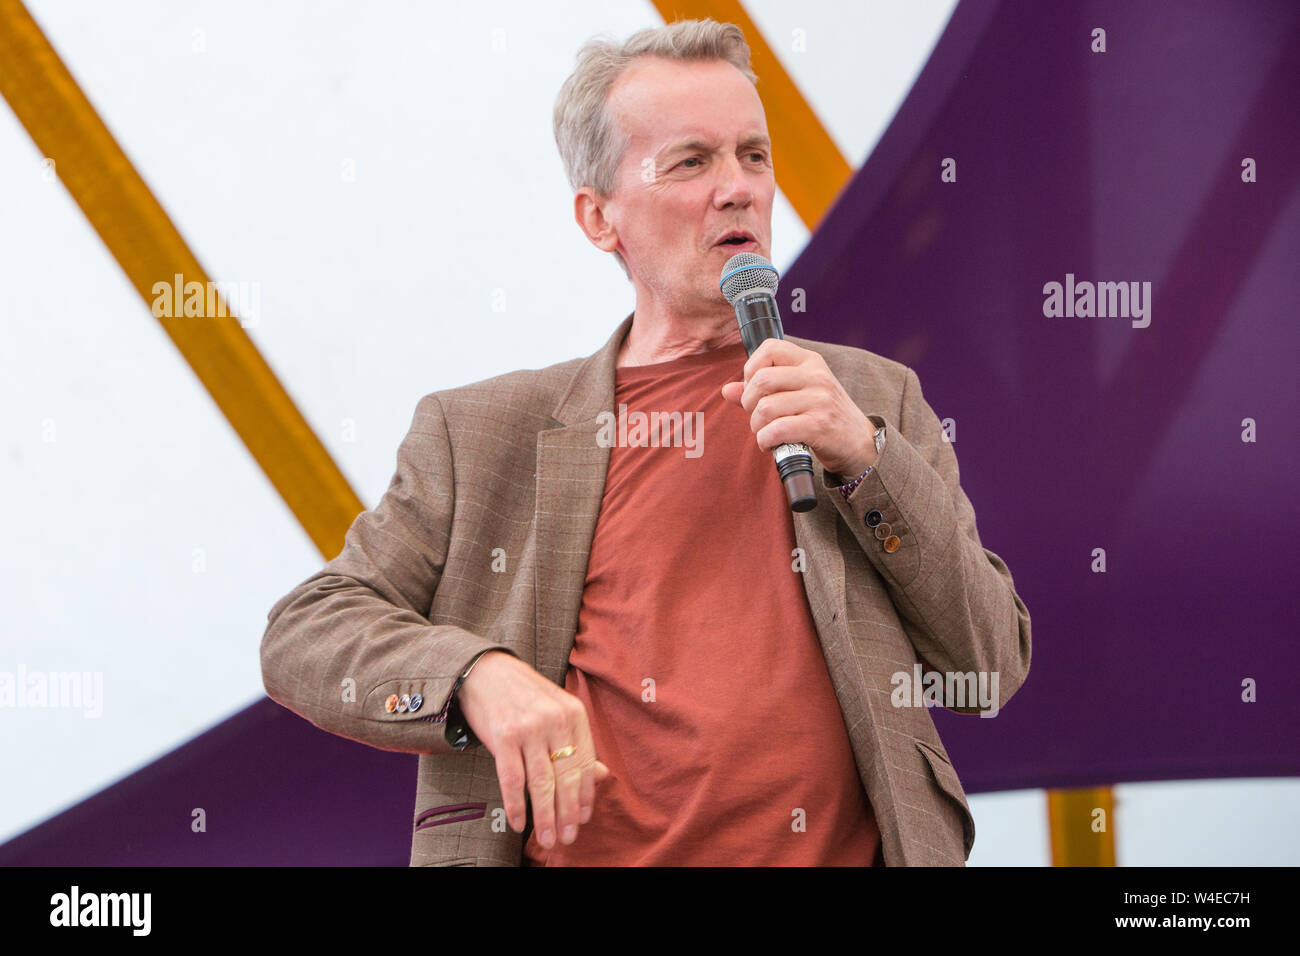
946	779
451	813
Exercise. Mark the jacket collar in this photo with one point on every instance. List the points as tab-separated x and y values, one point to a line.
592	388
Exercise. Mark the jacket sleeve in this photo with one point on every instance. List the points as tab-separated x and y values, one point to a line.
956	600
354	635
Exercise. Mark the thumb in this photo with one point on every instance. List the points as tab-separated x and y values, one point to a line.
601	771
732	391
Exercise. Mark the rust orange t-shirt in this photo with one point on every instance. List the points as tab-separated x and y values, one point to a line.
696	654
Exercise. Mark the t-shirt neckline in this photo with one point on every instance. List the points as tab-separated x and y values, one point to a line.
735	352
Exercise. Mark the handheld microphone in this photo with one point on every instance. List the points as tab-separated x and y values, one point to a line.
749	283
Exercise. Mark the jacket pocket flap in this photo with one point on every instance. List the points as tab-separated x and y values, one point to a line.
462	861
450	813
946	777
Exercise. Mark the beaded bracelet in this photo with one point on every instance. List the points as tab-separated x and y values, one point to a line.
879	438
847	490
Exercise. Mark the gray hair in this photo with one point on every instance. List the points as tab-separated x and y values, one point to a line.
586	134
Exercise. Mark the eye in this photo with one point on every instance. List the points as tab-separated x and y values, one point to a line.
689	159
761	156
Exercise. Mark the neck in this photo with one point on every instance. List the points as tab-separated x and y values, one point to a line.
662	337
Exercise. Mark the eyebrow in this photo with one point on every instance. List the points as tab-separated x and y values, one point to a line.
699	145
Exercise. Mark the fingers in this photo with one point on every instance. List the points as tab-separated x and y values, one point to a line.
587	792
561	792
510	775
541	790
573	773
569	774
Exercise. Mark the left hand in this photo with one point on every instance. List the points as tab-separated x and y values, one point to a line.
792	396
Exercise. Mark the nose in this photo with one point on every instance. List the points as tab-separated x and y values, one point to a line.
733	186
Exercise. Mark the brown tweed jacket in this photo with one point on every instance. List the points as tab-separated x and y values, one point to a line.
481	541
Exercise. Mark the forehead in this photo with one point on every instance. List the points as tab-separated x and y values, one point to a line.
657	102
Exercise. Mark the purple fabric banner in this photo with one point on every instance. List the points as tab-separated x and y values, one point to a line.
274	791
1124	432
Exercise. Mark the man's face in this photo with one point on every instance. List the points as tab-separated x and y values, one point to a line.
697	165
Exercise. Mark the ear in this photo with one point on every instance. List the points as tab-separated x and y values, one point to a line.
589	212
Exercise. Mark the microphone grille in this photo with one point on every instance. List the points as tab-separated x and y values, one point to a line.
745	272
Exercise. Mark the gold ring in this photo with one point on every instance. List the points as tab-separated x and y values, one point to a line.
564	752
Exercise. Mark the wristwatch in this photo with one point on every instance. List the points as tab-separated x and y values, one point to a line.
458	732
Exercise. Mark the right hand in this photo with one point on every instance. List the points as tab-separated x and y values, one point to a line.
522	718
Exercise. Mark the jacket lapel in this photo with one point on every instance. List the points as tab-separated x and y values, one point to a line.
571	469
817	533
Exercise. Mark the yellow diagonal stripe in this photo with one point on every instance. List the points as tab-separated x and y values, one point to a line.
809	167
1082	824
145	243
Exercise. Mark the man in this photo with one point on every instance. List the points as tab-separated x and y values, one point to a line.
645	655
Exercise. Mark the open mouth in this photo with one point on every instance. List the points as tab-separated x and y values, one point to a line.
737	243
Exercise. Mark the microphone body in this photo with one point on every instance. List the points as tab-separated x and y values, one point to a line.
749	282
